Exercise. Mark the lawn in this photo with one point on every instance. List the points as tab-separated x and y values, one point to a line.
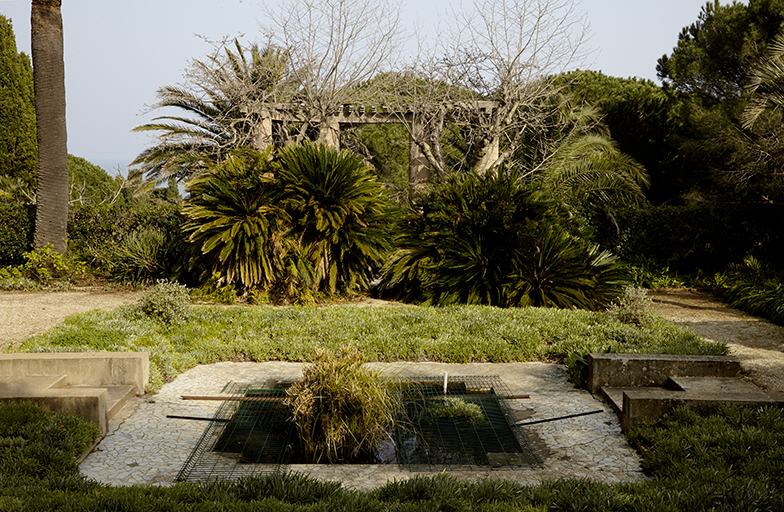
458	334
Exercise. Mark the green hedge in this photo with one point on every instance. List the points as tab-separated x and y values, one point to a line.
17	223
95	231
703	237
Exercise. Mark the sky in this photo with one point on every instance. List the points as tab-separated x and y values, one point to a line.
118	53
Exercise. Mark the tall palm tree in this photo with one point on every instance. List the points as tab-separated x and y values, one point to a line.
49	83
224	101
766	83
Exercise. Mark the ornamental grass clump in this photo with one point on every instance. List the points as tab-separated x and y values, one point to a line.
342	409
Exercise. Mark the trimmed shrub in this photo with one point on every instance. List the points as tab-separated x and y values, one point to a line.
17	222
166	302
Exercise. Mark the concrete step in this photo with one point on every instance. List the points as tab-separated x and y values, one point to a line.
116	396
29	385
615	397
711	385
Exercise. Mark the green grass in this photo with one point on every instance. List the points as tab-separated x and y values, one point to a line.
457	334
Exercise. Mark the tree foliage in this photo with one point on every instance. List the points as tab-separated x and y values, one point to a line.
642	118
18	146
709	68
223	95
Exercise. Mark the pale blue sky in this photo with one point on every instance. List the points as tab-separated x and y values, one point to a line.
118	53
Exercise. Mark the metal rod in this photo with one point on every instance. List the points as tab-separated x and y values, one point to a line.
524	423
279	398
235	398
176	417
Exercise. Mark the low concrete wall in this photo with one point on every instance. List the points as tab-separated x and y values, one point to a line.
642	370
650	404
90	404
82	368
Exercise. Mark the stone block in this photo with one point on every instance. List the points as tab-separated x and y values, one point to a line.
82	368
650	404
642	370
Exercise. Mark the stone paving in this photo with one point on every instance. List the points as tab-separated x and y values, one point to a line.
144	447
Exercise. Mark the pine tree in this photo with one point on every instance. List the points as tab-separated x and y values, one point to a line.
18	147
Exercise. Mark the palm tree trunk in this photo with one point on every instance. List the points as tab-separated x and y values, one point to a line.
49	82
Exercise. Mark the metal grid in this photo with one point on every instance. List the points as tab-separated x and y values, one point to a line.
426	441
251	432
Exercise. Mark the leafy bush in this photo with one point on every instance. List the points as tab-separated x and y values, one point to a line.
165	302
633	307
13	278
145	256
16	231
491	240
766	302
46	265
647	273
342	410
97	232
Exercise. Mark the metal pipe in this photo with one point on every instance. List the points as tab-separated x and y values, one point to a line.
176	417
524	423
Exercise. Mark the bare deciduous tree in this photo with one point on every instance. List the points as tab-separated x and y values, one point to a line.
337	47
492	72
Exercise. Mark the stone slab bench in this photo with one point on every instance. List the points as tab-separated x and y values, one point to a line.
82	368
650	404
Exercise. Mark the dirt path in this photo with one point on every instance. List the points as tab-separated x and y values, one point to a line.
757	343
23	314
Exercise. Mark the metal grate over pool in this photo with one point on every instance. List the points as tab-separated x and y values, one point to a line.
470	427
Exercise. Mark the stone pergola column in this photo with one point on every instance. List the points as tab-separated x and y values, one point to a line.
418	166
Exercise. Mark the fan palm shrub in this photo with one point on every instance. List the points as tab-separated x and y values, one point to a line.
339	214
491	239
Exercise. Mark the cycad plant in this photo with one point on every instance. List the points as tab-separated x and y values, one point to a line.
494	240
338	214
237	223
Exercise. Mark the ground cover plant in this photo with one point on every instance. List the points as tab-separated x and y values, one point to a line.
454	334
729	461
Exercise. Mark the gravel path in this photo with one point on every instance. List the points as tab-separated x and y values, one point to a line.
757	343
24	314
